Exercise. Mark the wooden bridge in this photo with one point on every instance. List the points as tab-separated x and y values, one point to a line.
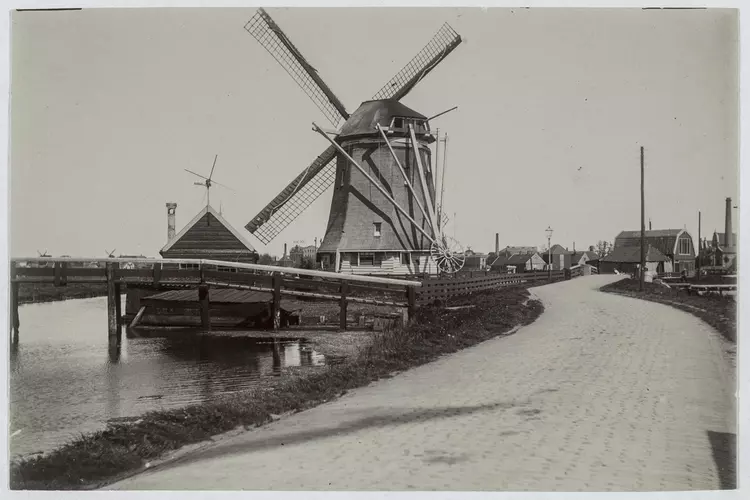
169	274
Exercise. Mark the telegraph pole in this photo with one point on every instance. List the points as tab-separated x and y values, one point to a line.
643	227
700	247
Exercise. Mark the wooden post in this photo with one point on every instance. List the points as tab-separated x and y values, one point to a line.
112	297
118	303
203	298
276	309
343	303
643	229
411	298
14	288
276	355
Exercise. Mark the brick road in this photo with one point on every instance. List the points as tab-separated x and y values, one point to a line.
601	393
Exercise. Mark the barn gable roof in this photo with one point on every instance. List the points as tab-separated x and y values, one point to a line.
207	211
664	240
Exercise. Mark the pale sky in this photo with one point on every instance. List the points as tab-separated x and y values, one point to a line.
108	107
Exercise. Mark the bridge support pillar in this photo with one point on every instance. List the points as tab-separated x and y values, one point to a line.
276	304
14	321
114	308
205	303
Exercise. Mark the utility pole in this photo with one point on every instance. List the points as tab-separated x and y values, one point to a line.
643	227
700	247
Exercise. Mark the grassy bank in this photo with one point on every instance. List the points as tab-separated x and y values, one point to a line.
32	293
719	312
126	447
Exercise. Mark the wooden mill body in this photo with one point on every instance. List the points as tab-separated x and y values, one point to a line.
366	233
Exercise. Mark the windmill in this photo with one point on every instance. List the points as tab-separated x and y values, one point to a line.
43	254
208	181
110	255
373	216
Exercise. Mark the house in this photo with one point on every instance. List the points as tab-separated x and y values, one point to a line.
475	260
557	257
517	263
626	259
299	254
675	244
589	257
720	252
207	236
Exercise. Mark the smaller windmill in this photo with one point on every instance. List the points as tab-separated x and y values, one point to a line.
43	254
208	181
110	255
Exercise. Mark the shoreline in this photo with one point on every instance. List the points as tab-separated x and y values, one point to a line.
37	293
97	459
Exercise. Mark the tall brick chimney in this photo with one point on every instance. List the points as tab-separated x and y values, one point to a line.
171	209
728	225
497	243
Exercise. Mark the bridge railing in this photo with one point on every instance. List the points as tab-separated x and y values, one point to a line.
205	273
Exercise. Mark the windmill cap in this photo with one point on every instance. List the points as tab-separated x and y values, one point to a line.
369	114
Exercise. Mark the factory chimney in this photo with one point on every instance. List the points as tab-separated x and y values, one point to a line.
728	225
171	209
497	244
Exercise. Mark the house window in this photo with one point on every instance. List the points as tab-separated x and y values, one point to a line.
353	259
684	246
377	229
190	266
405	259
398	123
366	259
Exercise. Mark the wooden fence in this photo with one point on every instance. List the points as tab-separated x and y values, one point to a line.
444	288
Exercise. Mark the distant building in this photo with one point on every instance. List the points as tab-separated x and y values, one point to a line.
518	263
475	260
627	259
299	254
676	245
509	250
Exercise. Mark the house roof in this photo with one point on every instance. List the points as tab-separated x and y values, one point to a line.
207	210
558	249
576	256
721	238
521	249
372	113
662	239
518	259
633	254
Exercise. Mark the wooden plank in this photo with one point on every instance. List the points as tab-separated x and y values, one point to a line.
14	292
138	317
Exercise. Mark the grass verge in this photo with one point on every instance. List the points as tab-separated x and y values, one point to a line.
719	312
125	447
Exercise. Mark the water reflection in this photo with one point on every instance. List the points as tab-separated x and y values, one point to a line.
65	379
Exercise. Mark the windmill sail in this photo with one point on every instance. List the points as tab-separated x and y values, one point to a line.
295	198
270	36
320	175
437	49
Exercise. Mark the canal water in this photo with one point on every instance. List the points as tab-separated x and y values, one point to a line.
64	381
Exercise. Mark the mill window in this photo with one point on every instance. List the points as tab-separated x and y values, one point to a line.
377	229
405	259
366	259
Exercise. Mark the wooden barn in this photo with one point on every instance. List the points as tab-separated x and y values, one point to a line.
209	236
676	244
